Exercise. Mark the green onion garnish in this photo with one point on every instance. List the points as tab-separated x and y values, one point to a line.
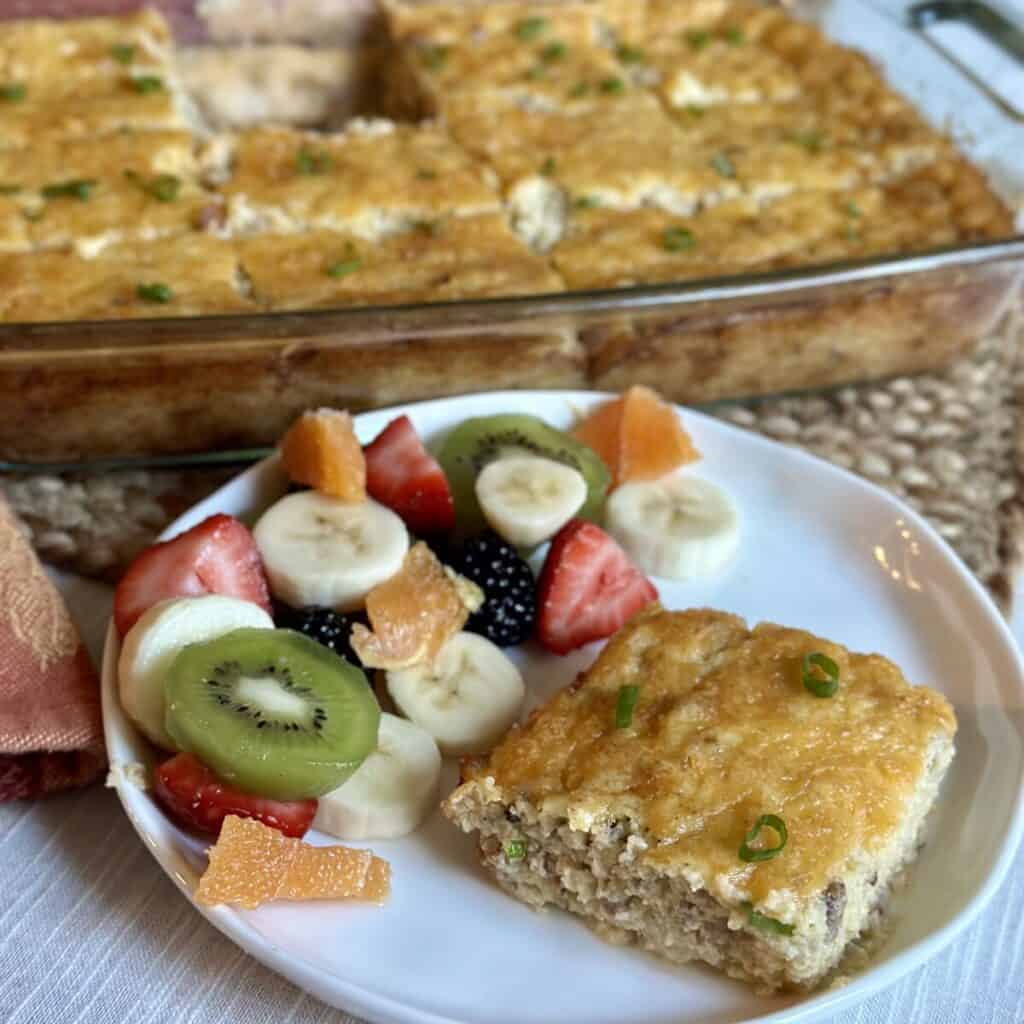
13	91
852	209
766	923
426	174
678	239
724	166
751	854
434	57
9	190
548	167
154	292
694	111
164	187
586	202
850	233
734	36
530	28
147	83
578	90
612	85
310	162
79	188
122	53
537	71
629	54
698	38
811	141
628	696
815	683
515	849
344	267
552	52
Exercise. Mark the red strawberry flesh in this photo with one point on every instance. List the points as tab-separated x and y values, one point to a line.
194	796
403	475
219	556
588	588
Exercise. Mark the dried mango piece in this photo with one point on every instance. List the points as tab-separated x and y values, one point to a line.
252	864
638	436
413	613
322	451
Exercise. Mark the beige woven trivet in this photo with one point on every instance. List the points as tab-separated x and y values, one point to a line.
948	443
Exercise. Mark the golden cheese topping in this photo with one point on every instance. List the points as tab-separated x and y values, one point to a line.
724	731
454	258
186	275
375	178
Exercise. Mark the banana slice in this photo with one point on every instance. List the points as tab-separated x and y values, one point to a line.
528	499
466	698
392	791
678	526
153	642
322	551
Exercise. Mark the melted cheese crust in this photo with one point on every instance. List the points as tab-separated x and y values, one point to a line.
723	732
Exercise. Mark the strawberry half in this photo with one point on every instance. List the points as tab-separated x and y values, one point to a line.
193	795
588	588
219	556
403	475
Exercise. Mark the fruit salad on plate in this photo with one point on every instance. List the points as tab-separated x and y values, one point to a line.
313	672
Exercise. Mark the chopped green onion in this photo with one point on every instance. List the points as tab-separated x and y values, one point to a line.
612	85
724	166
310	162
426	227
515	849
698	39
678	239
122	53
434	57
814	683
426	174
154	292
628	696
13	91
629	54
765	923
537	71
694	111
79	188
850	233
852	209
548	167
530	28
147	83
552	52
164	187
586	202
344	268
751	854
9	190
578	90
811	141
734	36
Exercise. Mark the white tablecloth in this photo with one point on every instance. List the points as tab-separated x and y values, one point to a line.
92	932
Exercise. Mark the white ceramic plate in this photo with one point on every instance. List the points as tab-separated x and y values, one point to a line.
821	550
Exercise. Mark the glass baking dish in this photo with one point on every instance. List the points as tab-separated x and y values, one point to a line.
88	390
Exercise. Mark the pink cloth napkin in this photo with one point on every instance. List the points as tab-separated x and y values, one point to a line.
51	733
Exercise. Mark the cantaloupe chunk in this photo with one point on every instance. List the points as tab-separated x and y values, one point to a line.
322	451
252	864
413	613
638	435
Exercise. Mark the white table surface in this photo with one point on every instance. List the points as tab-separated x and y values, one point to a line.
93	932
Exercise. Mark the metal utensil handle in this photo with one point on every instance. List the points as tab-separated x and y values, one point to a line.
982	18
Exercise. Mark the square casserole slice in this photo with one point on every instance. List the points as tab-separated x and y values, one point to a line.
374	179
638	829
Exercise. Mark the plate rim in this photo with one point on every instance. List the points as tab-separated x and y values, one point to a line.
377	1007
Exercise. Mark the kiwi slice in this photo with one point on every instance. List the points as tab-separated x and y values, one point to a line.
272	712
478	441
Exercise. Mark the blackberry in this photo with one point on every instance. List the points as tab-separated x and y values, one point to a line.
324	625
510	601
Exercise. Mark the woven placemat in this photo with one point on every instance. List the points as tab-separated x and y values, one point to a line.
951	444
